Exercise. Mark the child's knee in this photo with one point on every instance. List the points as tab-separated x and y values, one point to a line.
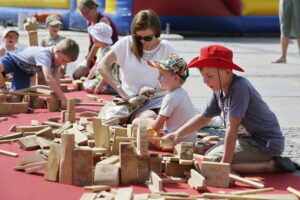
1	68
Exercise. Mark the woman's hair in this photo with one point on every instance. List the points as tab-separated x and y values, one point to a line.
90	4
143	20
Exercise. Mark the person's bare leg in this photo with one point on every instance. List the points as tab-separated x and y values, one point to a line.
284	42
262	167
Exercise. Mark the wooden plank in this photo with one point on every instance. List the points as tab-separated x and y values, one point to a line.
70	114
44	143
29	128
174	169
254	191
143	170
46	133
11	136
110	160
83	167
142	141
88	196
107	174
293	191
2	119
197	180
156	182
216	174
155	164
8	153
129	165
35	169
52	104
97	131
245	181
66	159
97	188
31	158
251	197
28	143
124	194
13	108
52	169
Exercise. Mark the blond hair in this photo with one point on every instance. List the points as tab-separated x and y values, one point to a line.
143	20
68	47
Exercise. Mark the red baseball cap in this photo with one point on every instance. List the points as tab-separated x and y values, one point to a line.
215	56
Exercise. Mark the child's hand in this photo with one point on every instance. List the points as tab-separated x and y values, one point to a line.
2	52
63	104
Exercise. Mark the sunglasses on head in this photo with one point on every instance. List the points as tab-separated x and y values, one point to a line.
145	38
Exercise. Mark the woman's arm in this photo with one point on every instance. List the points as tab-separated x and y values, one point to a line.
105	69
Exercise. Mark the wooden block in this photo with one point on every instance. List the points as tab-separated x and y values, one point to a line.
46	133
129	130
33	38
52	169
83	167
186	150
107	174
143	170
31	158
63	116
124	194
52	104
129	165
8	153
2	119
97	188
28	143
174	180
104	138
142	141
88	196
216	174
116	144
13	108
157	183
254	191
91	143
83	121
294	191
44	143
34	122
66	159
39	103
29	128
92	97
120	132
197	180
245	181
251	197
112	122
30	165
70	110
174	169
155	164
97	131
11	136
52	124
35	169
88	114
166	145
110	160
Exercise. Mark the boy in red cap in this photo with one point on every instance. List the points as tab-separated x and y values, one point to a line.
253	140
173	113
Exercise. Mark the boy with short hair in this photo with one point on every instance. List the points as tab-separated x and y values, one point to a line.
53	24
10	38
24	63
176	108
256	149
101	33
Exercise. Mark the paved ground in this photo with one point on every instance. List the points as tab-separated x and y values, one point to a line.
278	83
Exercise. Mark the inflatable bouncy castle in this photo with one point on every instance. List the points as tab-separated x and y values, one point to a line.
191	16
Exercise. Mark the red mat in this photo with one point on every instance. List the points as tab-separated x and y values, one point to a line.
21	186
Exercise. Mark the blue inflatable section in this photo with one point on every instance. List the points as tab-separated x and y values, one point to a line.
179	24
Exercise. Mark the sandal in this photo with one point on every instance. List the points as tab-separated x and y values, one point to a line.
285	164
280	60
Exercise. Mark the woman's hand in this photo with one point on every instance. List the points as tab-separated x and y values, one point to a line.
147	89
122	93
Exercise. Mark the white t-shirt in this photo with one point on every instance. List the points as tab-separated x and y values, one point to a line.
135	74
178	107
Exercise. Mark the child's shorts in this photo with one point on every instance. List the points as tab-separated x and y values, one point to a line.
246	151
20	79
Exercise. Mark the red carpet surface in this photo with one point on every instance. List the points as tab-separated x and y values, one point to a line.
18	185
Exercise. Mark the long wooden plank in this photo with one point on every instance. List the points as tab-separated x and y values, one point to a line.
13	108
8	153
246	181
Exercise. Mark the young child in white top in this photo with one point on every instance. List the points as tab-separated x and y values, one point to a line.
101	33
177	107
10	38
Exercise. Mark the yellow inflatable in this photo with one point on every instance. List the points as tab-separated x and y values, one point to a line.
260	7
59	4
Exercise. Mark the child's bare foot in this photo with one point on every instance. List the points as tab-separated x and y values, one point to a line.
280	60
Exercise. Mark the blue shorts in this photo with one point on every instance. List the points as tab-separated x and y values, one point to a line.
20	79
